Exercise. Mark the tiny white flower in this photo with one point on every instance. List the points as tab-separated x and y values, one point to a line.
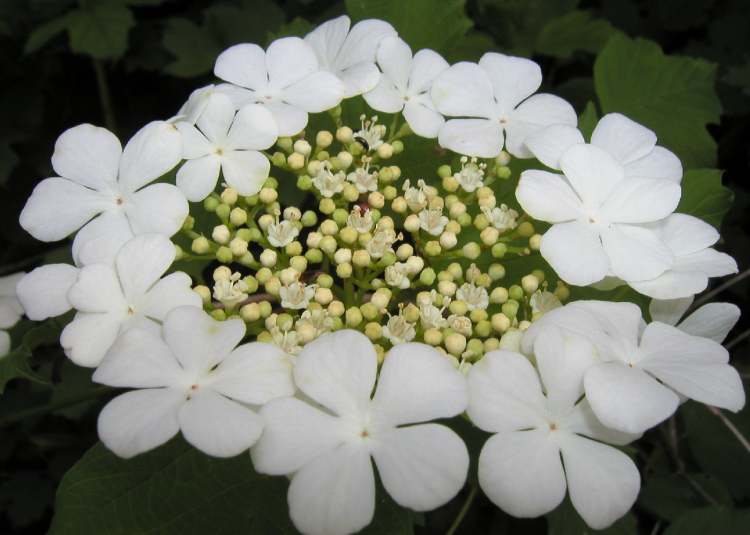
502	217
432	316
543	301
360	220
421	466
319	319
222	141
297	295
416	197
286	78
11	309
398	330
282	233
287	341
230	291
460	324
371	133
110	300
191	378
363	179
101	190
382	242
496	106
328	182
432	221
475	297
471	175
405	85
397	275
350	54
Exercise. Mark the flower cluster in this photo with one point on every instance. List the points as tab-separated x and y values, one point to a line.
338	254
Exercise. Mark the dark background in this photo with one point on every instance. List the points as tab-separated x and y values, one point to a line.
139	60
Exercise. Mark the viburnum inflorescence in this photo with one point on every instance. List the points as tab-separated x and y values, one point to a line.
337	243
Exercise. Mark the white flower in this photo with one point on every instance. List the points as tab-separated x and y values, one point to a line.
190	379
712	320
642	369
297	295
502	218
494	100
433	221
100	180
631	144
416	198
350	55
44	291
471	174
194	105
282	233
223	141
598	218
319	319
397	275
475	297
371	134
382	242
328	449
285	78
535	423
360	220
460	324
405	85
543	301
363	179
113	299
328	182
398	330
230	291
11	309
432	316
287	341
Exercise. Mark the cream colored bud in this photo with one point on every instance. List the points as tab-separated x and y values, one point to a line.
273	285
381	298
489	236
404	251
238	246
376	199
399	205
200	245
292	213
361	258
457	209
250	312
412	223
268	195
455	343
433	337
530	284
342	255
499	295
414	264
323	296
238	217
221	234
345	135
229	196
345	159
289	275
385	151
313	167
222	273
535	242
305	332
204	292
447	288
295	161
265	221
448	240
329	227
323	139
313	240
344	270
500	322
328	245
268	258
303	147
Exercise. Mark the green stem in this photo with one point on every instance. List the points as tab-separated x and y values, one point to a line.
462	513
105	97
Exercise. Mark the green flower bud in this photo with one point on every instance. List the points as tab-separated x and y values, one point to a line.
397	146
224	254
510	309
471	250
218	314
210	204
200	245
353	317
499	250
515	292
427	276
314	256
189	223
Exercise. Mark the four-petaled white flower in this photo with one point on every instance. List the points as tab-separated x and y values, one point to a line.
190	378
712	320
536	422
113	299
350	54
224	141
101	188
11	309
496	106
327	450
285	78
405	85
598	217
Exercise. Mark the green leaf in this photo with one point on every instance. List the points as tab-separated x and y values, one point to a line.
719	520
575	31
8	160
100	30
421	23
44	34
16	365
669	496
565	520
195	49
672	95
298	27
588	119
704	196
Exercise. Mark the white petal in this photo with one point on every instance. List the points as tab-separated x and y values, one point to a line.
395	60
521	472
426	66
44	291
359	78
290	120
333	494
685	234
418	384
194	143
139	359
218	426
197	178
5	343
623	138
384	97
575	252
152	152
338	371
327	40
10	312
193	106
101	238
635	253
708	261
216	118
583	421
89	336
547	197
513	79
423	120
141	262
423	466
245	170
534	114
627	399
97	289
243	65
168	293
315	93
592	172
505	393
238	95
197	340
362	42
254	373
159	208
58	207
141	420
548	144
295	433
289	60
603	482
713	321
641	200
88	155
464	90
253	128
659	163
672	284
669	311
473	137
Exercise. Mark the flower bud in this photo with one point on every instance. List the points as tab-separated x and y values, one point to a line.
500	322
515	292
295	161
381	298
471	250
455	343
250	312
412	224
329	227
448	240
535	242
374	331
344	270
238	247
427	277
385	151
433	337
268	258
447	288
525	229
328	245
345	159
323	295
361	258
499	295
376	199
224	254
489	236
221	234
327	206
302	147
345	135
200	245
353	317
268	195
323	139
229	196
342	255
530	284
399	205
204	292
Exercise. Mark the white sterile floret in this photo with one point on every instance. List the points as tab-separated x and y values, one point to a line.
598	218
110	300
475	297
328	450
642	369
190	378
350	54
536	419
712	320
432	221
222	141
11	309
297	295
631	144
405	85
495	105
101	188
285	78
